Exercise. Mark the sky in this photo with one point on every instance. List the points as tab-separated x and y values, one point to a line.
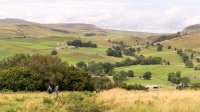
159	16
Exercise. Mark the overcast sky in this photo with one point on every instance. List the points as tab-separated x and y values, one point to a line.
135	15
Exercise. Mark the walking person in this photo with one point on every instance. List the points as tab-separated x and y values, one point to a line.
49	90
57	90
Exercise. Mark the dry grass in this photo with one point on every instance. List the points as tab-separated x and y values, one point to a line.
152	101
190	41
115	100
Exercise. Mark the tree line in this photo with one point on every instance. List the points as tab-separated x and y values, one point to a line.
79	43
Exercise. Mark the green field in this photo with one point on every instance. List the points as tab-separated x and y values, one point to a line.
159	73
42	40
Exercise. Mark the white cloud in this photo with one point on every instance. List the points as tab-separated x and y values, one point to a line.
137	15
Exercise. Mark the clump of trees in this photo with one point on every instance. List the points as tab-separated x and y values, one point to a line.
79	43
174	77
177	79
115	53
100	83
189	64
99	69
185	58
89	34
168	37
140	60
129	51
23	72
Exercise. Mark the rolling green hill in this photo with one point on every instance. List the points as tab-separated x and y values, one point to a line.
19	36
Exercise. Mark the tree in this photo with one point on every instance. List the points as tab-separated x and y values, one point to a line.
54	52
147	75
130	73
185	57
109	52
115	53
169	47
81	64
108	67
160	47
138	50
192	56
119	78
178	74
185	81
189	64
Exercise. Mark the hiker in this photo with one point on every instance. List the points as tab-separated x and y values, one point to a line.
56	90
49	90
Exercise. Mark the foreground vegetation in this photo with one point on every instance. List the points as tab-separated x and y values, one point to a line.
114	100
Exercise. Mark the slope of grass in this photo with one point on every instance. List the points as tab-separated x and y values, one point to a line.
167	54
159	71
190	41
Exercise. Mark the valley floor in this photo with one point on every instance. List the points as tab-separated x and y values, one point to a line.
114	100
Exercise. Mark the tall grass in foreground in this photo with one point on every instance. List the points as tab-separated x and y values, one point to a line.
115	100
152	101
43	102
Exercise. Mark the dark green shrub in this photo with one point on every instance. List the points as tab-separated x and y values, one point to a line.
132	87
195	85
54	52
147	75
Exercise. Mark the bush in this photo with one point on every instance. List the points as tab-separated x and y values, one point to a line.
130	73
115	53
195	85
169	47
160	47
100	68
101	83
119	78
132	87
147	75
129	52
77	102
189	64
81	64
54	52
89	34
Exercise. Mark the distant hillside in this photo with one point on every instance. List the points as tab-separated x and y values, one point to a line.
190	38
10	28
14	21
73	26
191	29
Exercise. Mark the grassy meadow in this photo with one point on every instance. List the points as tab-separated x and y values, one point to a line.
114	100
